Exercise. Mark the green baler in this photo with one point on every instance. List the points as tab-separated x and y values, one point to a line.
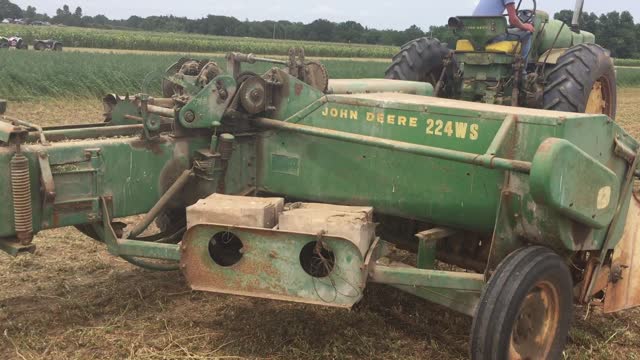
293	187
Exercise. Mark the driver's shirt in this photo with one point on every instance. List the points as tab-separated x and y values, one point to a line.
491	7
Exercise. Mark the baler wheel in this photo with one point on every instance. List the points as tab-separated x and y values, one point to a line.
583	81
526	308
419	60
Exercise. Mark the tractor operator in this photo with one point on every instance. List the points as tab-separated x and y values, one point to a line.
521	30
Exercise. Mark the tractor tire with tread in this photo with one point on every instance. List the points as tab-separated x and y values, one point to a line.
526	308
577	74
419	60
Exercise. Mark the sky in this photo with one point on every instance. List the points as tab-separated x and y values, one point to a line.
380	14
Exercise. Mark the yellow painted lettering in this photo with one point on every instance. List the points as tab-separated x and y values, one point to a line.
461	130
402	120
473	135
391	119
325	112
413	122
344	114
334	112
353	115
381	118
439	126
370	116
430	124
448	128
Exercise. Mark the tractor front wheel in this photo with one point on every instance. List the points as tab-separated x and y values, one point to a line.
419	60
526	308
582	81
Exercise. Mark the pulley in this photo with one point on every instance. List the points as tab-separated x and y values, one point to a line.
253	95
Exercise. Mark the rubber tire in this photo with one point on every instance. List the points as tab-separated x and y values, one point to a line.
418	60
502	297
39	46
570	81
57	47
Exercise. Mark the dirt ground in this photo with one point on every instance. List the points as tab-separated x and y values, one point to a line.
73	300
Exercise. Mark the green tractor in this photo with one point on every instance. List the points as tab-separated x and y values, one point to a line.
564	70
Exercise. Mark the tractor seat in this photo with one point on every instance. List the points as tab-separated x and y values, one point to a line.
506	47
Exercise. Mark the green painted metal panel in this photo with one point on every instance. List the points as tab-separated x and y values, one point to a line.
436	191
481	29
133	172
270	266
592	202
204	109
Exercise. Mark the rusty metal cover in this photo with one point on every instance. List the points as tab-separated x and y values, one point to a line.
624	292
273	264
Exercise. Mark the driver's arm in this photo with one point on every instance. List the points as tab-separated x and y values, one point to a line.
514	20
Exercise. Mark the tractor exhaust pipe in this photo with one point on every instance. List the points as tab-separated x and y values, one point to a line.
577	13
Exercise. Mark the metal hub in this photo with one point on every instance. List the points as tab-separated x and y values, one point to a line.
599	98
534	330
317	76
253	95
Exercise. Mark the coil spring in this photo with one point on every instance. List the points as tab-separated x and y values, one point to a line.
21	191
225	148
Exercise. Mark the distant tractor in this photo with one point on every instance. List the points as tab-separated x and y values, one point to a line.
4	42
564	70
16	42
52	45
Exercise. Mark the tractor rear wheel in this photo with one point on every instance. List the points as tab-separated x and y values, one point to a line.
39	46
526	308
419	60
582	81
57	47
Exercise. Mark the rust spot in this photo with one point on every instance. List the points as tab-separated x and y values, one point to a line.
74	206
56	219
299	88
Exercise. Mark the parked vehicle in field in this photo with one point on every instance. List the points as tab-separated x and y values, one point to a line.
42	45
17	42
4	42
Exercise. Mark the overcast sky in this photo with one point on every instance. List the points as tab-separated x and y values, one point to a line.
382	14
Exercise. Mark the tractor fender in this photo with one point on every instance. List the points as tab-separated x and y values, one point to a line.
551	56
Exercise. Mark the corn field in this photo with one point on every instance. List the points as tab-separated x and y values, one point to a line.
28	75
182	42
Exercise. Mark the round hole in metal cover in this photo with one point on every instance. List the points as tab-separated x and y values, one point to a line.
225	249
317	260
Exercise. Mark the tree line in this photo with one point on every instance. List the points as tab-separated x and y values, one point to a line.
616	31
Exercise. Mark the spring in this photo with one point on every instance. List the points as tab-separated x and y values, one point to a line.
21	191
225	148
